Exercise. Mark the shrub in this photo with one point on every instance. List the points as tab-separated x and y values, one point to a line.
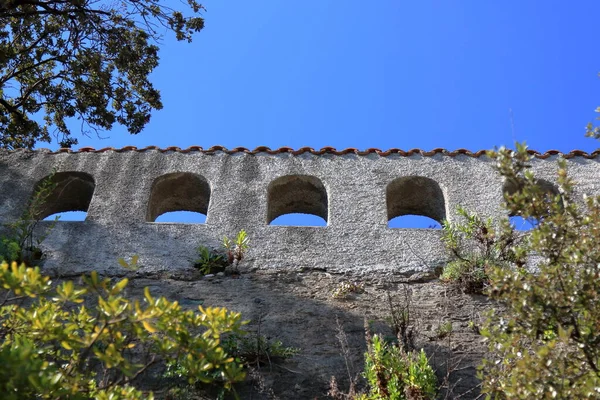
444	329
210	261
545	342
89	341
475	245
257	349
392	373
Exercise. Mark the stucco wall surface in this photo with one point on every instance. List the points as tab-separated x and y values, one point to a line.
244	191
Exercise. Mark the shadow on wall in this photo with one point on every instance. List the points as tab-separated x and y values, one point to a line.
70	197
299	200
178	192
415	202
523	224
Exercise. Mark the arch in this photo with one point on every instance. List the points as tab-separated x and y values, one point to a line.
69	191
522	224
178	191
415	195
414	221
297	194
550	188
547	187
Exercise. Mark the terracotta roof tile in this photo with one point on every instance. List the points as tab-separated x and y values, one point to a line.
324	150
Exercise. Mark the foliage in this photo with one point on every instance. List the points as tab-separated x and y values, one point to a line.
545	342
20	244
89	341
209	261
392	373
86	60
236	248
476	245
444	329
344	289
257	349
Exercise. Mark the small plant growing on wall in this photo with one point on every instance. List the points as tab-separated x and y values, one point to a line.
475	245
256	349
236	248
210	261
21	244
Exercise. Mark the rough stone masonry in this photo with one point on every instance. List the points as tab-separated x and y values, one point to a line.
356	192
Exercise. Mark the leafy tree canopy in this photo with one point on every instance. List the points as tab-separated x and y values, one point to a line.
82	60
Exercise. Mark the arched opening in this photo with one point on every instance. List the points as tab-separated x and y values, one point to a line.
518	221
549	188
292	195
70	216
185	217
176	192
299	219
415	202
414	221
522	224
63	194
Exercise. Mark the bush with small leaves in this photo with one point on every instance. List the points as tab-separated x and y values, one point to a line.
256	349
90	341
475	245
545	342
392	373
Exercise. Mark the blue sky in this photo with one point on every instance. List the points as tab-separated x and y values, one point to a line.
386	73
379	74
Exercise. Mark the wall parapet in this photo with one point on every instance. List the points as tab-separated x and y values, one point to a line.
356	192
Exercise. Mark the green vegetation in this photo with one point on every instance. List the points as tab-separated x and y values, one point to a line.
544	340
256	349
20	244
392	373
545	343
475	245
444	329
210	261
236	248
90	341
393	369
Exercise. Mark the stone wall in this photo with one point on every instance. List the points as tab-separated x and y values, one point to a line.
123	191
